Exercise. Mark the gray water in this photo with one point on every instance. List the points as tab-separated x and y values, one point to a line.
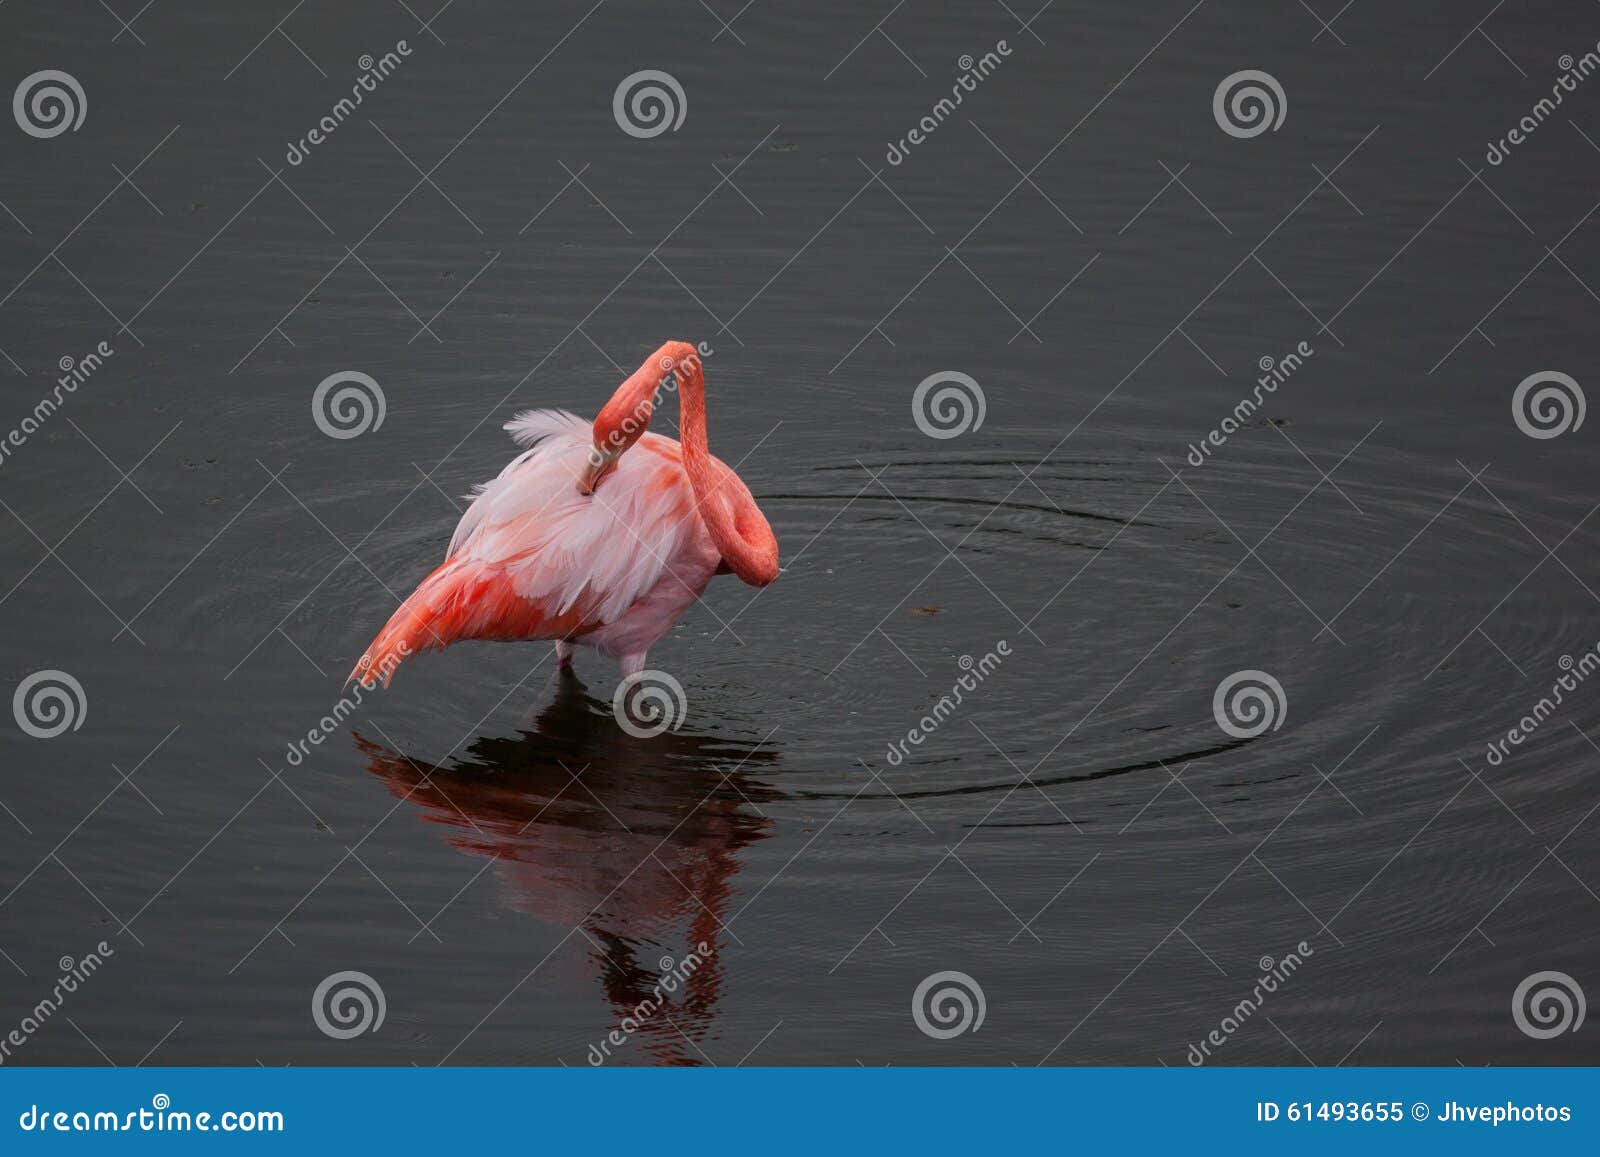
1080	836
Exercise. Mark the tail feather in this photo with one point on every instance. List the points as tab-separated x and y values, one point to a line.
414	626
462	599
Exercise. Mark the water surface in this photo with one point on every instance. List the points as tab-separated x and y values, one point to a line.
1080	837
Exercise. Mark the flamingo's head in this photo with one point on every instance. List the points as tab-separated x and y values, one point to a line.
602	461
621	423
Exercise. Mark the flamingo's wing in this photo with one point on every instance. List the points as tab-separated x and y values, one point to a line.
566	551
540	431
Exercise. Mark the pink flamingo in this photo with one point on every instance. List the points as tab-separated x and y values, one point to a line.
578	543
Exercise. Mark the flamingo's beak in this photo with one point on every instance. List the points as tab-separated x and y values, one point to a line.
600	463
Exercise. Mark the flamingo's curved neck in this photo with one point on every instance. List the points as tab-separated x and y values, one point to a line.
625	418
735	523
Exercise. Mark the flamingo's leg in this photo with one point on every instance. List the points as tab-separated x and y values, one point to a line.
632	664
564	653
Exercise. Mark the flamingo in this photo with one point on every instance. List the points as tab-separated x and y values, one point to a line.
580	542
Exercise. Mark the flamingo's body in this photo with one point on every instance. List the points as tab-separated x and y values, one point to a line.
580	542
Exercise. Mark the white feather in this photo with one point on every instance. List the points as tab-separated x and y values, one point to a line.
559	546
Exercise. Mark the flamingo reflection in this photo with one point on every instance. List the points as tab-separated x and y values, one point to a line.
635	841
